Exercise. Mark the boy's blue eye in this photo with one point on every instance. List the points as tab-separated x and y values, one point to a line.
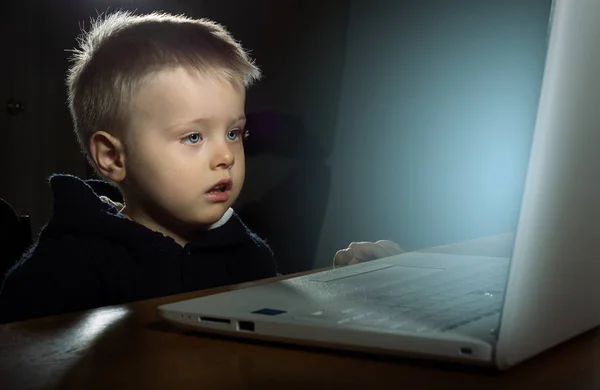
193	138
233	135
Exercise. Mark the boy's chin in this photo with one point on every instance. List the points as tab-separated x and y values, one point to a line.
207	219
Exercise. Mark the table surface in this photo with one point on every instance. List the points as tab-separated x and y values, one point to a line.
130	347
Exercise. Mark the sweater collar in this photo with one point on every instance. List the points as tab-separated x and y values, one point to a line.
79	209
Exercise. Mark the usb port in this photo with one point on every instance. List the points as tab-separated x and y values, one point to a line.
248	326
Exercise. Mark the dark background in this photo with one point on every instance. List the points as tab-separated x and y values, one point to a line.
407	120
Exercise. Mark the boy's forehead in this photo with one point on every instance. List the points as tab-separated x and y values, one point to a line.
179	94
175	84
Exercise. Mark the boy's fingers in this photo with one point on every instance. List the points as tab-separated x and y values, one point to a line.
343	257
365	251
391	245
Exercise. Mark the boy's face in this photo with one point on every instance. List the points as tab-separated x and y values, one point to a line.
184	136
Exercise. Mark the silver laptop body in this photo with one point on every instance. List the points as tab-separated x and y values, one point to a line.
495	311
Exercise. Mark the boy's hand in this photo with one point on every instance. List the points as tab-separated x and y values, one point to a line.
358	252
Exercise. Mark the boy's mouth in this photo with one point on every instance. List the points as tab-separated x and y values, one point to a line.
221	186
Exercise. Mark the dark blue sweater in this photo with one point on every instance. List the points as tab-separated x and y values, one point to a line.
90	256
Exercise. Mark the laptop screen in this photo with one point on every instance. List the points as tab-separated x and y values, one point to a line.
435	122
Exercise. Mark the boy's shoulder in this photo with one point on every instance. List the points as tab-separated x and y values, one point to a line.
88	211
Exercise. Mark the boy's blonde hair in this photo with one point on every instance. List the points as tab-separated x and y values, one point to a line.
122	49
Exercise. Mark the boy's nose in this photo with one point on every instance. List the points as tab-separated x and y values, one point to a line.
222	157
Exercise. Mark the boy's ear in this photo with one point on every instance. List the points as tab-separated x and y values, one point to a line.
107	152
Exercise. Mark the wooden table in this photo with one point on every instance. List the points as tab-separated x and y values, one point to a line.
129	347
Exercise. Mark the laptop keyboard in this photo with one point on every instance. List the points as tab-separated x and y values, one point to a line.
422	304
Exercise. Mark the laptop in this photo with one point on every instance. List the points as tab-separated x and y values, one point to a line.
478	310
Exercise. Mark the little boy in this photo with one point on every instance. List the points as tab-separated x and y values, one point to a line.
158	108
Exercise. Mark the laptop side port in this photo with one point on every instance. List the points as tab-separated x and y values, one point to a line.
214	320
247	326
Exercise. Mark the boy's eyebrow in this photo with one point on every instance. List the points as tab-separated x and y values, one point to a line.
203	121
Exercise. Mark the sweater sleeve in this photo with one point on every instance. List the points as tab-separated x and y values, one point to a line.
53	278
